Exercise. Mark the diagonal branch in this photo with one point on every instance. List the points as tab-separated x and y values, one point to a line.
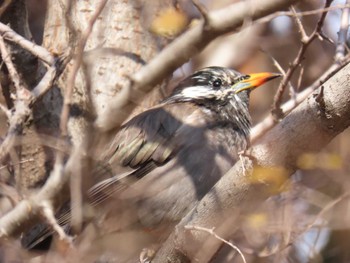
218	22
305	43
38	51
262	127
24	102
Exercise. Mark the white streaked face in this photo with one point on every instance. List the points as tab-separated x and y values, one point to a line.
213	83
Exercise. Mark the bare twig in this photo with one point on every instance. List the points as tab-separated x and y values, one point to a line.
6	57
38	51
76	65
261	128
47	211
268	18
76	182
24	103
342	35
301	75
5	110
50	76
277	65
211	232
305	42
204	12
300	25
311	225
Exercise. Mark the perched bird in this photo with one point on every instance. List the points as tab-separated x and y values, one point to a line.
177	150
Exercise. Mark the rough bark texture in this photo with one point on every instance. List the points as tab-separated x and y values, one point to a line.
114	51
32	157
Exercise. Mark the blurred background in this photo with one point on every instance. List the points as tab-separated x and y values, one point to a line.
308	219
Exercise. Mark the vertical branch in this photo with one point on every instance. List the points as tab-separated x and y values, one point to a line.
6	57
342	34
305	43
76	181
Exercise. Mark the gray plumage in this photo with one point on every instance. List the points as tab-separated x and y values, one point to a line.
176	151
190	140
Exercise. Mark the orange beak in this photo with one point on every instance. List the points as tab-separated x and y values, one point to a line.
254	80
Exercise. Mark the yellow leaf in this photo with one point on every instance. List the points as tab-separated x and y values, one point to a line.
257	220
274	177
307	161
331	161
169	23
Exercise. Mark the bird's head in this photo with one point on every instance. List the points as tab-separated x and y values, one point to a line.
218	85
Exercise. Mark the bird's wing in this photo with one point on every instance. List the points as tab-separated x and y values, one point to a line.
143	143
147	137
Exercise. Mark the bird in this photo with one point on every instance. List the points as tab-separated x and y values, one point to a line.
174	152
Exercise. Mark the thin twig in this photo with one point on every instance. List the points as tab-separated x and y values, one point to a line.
23	104
305	43
211	232
76	182
299	24
38	51
261	128
342	35
204	12
78	59
15	77
50	76
5	110
47	211
268	18
301	75
277	65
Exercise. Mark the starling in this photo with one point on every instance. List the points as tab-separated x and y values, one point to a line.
177	150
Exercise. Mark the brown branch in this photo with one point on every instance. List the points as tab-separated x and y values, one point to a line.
268	18
6	57
38	51
305	43
211	232
75	190
203	11
342	35
24	102
76	65
269	122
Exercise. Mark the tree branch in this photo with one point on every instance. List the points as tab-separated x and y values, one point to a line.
308	128
182	49
38	51
305	43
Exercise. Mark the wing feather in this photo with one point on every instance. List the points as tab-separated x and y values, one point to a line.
147	137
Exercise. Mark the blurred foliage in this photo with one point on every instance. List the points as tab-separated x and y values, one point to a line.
169	23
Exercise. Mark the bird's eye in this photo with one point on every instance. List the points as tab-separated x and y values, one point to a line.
217	83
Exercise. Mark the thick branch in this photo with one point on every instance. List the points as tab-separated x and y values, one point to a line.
308	128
